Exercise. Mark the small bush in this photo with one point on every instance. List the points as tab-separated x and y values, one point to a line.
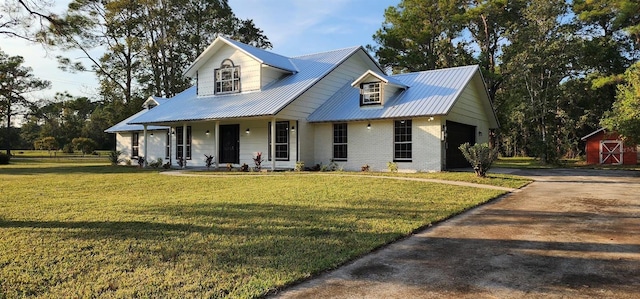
392	166
299	166
4	159
156	164
141	161
365	168
480	156
67	148
208	161
114	157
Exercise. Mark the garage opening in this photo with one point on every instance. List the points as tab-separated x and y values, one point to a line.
458	134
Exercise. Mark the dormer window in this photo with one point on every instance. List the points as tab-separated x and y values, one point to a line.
370	93
227	77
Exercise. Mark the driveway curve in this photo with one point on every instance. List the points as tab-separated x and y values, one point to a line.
569	234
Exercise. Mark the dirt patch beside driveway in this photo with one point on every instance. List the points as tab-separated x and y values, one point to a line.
572	233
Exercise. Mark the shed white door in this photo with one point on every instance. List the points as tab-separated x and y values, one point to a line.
611	152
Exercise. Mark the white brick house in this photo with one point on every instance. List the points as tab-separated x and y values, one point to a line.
333	106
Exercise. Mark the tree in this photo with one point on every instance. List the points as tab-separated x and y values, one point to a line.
19	17
84	145
15	81
480	156
420	35
624	116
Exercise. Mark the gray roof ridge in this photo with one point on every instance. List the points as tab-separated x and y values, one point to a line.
435	70
328	51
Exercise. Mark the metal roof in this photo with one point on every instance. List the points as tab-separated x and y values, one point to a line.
592	133
430	93
260	55
123	126
187	106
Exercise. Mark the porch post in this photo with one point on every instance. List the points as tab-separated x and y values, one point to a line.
216	140
273	144
184	144
145	145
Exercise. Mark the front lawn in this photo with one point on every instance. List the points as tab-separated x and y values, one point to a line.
101	231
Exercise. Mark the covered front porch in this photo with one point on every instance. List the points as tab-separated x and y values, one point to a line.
232	142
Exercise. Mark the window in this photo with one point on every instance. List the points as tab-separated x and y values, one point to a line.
340	142
282	141
370	93
402	141
167	150
180	147
135	145
227	78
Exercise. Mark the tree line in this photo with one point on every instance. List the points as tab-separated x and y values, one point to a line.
555	70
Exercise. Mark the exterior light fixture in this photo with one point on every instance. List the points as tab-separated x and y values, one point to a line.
293	128
247	131
479	133
369	126
151	134
173	132
207	132
431	118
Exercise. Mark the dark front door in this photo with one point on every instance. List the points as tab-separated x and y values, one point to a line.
229	144
457	134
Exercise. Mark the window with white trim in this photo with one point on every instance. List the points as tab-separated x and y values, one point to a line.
282	141
180	146
370	93
340	142
402	140
227	78
135	144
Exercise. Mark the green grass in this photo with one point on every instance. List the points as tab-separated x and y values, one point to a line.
90	230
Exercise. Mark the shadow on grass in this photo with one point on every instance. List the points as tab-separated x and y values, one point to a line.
34	169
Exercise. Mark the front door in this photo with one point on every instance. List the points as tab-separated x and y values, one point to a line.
611	152
229	144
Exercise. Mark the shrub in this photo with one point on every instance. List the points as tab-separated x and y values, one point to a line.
67	148
258	161
157	163
4	159
85	145
114	157
208	161
392	166
480	156
141	161
299	166
365	168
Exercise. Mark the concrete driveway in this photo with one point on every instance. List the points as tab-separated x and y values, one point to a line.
570	234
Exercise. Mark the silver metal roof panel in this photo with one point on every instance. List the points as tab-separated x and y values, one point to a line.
430	93
187	106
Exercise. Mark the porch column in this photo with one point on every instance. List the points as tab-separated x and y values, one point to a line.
216	141
145	145
184	144
273	144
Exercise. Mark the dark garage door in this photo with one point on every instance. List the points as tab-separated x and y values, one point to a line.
458	134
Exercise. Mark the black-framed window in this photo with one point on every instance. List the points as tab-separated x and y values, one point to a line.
167	150
135	144
282	141
180	147
402	140
227	78
370	93
340	142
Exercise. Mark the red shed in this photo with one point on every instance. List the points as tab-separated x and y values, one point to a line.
608	148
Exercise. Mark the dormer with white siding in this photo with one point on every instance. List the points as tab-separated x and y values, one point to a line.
228	67
376	88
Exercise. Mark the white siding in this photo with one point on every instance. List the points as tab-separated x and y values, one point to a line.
307	103
374	146
255	141
156	146
249	71
470	110
269	75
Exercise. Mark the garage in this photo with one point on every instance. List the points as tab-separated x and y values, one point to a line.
456	135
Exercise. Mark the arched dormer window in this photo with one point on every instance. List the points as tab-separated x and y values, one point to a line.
227	77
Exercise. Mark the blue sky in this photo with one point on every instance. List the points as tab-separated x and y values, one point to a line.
294	27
